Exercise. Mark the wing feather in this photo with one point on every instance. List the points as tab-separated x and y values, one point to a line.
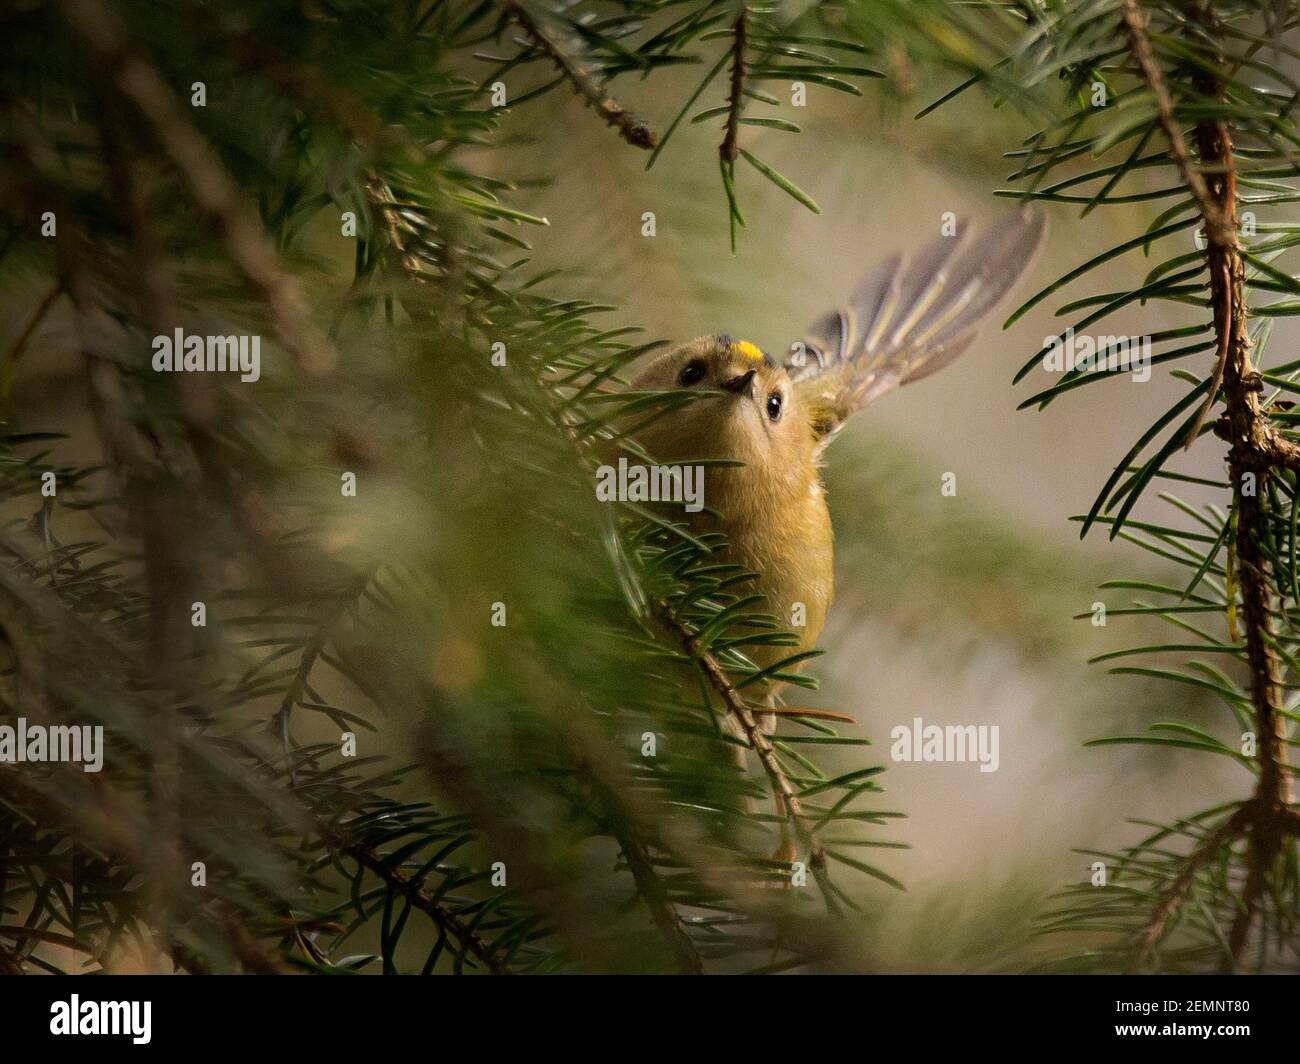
908	318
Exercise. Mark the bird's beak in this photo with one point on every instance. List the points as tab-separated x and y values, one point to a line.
743	383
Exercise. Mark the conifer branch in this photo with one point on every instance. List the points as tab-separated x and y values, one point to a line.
396	880
729	149
629	127
784	792
158	226
648	883
105	818
405	886
1221	228
1220	224
360	122
305	84
313	650
651	889
211	186
1205	851
381	198
1256	449
720	872
366	856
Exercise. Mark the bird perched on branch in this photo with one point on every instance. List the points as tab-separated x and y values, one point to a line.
907	319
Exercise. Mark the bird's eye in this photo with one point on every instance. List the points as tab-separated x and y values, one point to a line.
691	373
774	407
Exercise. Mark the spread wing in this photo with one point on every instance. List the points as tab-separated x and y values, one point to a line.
909	318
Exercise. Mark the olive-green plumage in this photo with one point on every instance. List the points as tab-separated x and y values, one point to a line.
773	508
907	319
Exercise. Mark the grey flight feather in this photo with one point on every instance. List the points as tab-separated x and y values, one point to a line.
910	318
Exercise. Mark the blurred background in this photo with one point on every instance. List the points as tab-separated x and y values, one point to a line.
957	609
954	609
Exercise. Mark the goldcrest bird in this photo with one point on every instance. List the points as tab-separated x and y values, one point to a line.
906	320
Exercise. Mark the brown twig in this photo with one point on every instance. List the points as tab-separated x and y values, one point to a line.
399	882
1217	213
715	868
651	888
783	790
1256	449
730	147
1221	836
629	127
1220	228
